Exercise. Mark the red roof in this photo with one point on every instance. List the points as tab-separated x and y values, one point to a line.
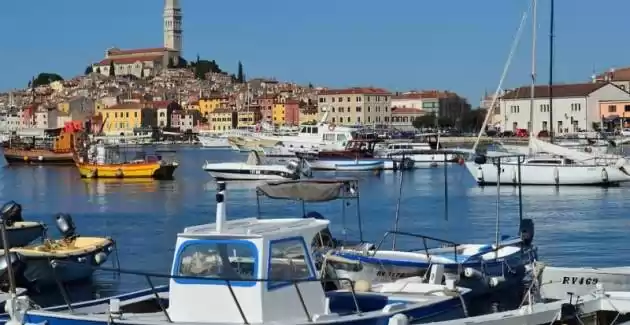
115	51
159	103
356	91
143	58
406	110
425	94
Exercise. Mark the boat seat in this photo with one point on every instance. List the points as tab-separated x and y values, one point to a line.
341	302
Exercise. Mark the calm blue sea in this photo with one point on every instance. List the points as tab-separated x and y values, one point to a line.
574	226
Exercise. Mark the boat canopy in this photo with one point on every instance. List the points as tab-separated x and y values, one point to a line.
310	190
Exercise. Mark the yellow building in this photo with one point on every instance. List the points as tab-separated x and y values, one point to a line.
63	107
121	118
193	106
221	119
248	118
308	115
207	105
277	113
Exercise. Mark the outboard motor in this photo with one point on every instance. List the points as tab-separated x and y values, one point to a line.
11	213
481	159
66	226
324	238
17	264
527	231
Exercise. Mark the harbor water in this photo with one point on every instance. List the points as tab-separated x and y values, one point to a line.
574	226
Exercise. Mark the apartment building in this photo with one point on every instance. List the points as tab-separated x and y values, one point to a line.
357	105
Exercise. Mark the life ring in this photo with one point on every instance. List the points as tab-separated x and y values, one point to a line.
331	127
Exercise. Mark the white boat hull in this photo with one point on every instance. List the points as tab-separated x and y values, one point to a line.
557	282
243	171
486	174
387	164
214	142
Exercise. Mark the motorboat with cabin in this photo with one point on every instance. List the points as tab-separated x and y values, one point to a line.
55	149
213	140
423	153
265	273
64	260
254	169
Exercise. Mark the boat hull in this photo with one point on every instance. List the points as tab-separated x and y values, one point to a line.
42	271
23	233
214	142
557	282
387	164
43	157
359	166
143	170
577	175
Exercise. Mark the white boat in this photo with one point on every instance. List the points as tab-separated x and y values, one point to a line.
252	169
213	140
397	150
19	232
557	282
360	165
266	274
321	136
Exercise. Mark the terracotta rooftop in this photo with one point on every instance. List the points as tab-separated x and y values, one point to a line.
622	74
427	94
356	91
143	58
222	110
116	51
559	91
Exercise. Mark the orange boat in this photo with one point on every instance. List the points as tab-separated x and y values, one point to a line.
60	152
151	167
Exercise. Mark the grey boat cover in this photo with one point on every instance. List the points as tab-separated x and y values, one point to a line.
311	190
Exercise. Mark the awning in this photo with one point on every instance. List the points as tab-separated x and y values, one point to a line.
310	190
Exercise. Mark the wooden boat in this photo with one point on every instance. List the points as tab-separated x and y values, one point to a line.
99	161
19	151
60	261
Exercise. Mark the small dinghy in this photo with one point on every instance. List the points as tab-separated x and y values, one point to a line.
49	263
20	232
253	169
264	272
360	165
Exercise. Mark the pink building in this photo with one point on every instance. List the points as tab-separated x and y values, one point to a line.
292	112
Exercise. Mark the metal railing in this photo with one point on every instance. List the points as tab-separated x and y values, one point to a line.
228	282
424	242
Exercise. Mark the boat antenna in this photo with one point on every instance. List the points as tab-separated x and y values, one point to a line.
397	217
530	127
515	42
551	28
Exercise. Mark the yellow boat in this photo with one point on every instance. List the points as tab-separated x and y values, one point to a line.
140	169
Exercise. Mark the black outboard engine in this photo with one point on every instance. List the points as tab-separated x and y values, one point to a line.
11	213
527	231
18	266
324	238
66	226
480	159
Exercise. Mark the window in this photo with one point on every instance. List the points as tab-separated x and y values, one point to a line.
369	109
612	108
127	114
217	259
340	99
544	108
348	99
340	109
358	109
544	126
348	119
358	99
322	100
135	114
626	108
576	107
288	260
515	109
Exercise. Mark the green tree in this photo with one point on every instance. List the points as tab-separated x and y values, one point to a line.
112	71
171	63
472	120
201	67
240	76
45	78
425	121
445	122
310	85
88	70
181	63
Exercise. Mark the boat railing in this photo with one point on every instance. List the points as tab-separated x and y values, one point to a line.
228	282
445	243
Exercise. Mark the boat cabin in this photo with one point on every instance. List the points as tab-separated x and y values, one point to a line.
328	133
552	160
230	259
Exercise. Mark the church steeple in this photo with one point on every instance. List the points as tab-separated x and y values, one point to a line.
173	25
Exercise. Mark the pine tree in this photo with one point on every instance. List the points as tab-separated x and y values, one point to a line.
88	70
240	76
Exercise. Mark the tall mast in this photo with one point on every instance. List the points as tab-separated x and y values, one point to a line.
551	133
533	85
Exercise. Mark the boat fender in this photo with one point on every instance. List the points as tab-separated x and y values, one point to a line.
556	176
604	175
100	258
398	319
331	127
25	158
495	281
479	174
40	158
514	175
119	173
470	272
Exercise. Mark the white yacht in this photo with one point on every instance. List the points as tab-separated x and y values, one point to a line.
213	140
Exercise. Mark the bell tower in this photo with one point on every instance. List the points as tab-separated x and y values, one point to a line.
173	25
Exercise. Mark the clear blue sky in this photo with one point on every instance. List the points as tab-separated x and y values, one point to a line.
457	45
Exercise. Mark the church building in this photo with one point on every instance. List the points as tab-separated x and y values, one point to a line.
150	61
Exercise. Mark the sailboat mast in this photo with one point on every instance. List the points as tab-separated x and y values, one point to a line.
551	133
533	85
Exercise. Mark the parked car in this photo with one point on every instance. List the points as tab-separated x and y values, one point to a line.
625	132
522	133
507	134
543	134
